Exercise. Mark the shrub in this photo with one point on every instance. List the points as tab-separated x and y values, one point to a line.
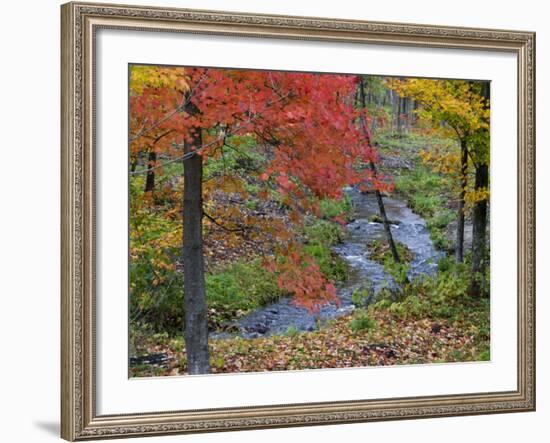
443	297
156	286
362	321
361	297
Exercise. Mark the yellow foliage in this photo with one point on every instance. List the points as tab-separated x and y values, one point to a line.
143	76
441	162
455	102
476	195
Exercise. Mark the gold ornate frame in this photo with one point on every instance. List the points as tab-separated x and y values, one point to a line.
80	21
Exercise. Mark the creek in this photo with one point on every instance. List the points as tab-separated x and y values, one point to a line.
407	228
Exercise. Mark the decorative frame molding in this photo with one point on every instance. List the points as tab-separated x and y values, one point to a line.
79	22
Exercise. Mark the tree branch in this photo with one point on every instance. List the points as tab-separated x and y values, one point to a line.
217	223
186	99
213	142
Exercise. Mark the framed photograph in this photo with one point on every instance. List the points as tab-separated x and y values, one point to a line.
283	221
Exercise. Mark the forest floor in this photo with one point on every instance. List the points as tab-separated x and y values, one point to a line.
387	339
432	321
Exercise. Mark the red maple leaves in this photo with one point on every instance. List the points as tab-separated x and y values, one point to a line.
309	122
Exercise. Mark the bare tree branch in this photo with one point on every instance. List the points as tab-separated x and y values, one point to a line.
225	228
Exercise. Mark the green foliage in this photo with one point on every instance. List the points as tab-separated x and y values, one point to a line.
485	355
362	321
156	286
362	296
239	156
443	297
217	361
423	190
331	208
322	232
292	332
380	252
399	271
230	292
441	219
239	287
320	236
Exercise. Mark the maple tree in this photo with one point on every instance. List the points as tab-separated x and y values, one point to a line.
308	124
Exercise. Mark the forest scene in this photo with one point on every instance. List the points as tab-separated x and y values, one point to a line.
294	220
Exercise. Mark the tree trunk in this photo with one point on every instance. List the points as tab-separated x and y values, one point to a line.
479	243
396	110
414	112
407	112
479	233
384	217
372	166
459	253
196	312
400	115
387	94
150	180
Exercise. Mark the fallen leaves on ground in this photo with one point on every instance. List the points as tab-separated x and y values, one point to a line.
391	342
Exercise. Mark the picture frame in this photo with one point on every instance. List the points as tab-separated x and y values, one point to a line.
81	22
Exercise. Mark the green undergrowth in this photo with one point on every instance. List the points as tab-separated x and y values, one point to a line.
427	193
319	237
443	299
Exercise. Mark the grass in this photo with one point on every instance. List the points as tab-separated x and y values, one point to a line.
319	237
331	208
239	288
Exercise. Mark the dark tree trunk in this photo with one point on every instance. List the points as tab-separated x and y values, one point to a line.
384	217
479	233
400	103
196	312
397	111
133	164
150	180
479	243
414	114
459	253
372	166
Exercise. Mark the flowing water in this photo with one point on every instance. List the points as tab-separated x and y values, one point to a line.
409	229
